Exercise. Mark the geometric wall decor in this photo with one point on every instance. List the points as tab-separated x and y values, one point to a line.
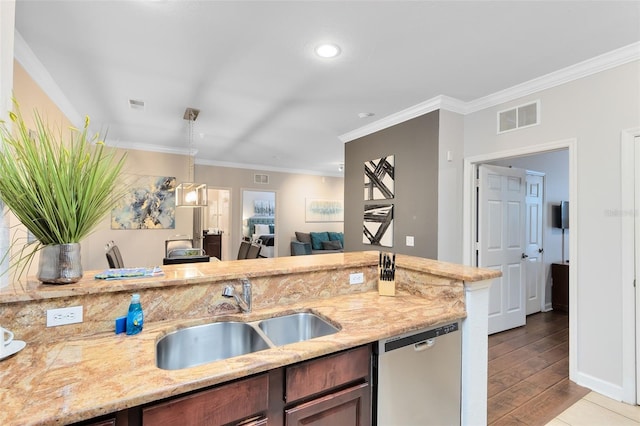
379	179
150	204
378	225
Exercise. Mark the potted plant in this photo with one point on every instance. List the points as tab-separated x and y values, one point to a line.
59	188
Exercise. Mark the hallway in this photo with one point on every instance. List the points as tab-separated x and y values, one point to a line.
528	379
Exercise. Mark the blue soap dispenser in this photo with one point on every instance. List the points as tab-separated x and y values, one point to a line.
135	316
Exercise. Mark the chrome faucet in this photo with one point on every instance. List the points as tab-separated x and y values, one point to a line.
243	302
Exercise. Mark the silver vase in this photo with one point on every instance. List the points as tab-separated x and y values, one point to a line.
60	264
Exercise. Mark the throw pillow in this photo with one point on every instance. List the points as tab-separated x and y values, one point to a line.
317	238
337	236
303	237
261	229
331	245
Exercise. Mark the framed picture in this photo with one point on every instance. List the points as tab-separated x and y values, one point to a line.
150	204
378	225
379	179
318	210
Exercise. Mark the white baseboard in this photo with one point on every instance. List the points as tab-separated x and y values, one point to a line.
598	385
547	307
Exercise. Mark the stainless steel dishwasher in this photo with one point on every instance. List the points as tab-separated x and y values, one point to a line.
416	378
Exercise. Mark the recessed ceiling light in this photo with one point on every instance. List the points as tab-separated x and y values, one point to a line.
327	50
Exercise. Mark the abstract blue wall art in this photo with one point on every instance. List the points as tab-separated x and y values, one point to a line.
150	204
324	210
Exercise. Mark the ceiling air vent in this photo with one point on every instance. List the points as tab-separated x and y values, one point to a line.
519	117
261	179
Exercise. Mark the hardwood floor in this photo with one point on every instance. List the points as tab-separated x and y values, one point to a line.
529	372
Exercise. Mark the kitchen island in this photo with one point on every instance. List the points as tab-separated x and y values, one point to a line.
83	371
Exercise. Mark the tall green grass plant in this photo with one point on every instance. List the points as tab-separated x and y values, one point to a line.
59	188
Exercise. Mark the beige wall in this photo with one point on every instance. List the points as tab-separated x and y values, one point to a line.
291	191
594	110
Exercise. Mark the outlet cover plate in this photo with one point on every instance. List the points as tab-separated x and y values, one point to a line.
64	316
357	278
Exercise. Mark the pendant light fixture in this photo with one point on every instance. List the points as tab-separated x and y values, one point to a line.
190	194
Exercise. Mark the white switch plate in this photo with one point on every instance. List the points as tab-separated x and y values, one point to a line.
410	241
64	316
357	278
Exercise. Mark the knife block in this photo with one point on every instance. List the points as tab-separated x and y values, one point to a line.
386	288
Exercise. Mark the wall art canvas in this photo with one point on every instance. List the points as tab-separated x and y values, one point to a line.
378	225
264	207
150	204
317	210
379	179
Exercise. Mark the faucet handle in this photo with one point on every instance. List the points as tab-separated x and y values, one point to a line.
228	291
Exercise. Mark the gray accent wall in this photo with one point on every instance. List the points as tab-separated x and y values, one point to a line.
414	144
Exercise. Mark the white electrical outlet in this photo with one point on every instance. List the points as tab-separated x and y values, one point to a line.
357	278
64	316
410	241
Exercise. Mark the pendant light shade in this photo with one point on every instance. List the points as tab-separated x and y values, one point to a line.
190	194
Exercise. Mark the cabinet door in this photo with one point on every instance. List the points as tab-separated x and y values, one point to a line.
320	375
349	407
230	403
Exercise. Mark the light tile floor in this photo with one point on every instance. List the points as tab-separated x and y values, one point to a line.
597	410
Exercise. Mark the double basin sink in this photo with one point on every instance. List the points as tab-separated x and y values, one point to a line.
206	343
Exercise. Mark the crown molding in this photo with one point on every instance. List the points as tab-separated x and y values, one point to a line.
438	102
582	69
571	73
263	168
32	65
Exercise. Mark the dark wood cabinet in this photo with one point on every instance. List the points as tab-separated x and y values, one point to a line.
326	391
560	287
241	402
332	390
212	245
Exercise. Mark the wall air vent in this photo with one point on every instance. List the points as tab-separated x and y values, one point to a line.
519	117
261	179
136	104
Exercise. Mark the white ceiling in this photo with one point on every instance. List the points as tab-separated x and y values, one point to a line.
266	101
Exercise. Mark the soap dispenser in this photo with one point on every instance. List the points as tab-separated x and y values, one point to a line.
135	316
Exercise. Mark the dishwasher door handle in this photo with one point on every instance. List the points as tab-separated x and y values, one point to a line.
424	345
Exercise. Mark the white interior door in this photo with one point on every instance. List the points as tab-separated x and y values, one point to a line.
501	242
534	267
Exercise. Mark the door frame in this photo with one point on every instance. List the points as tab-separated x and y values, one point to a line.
630	263
469	227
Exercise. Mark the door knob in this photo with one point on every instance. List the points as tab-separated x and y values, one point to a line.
524	256
540	250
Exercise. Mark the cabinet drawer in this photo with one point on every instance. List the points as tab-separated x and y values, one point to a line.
320	375
225	404
346	407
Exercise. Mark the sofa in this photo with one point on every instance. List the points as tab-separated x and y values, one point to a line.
317	243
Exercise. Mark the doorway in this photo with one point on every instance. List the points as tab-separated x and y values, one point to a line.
259	220
218	219
471	165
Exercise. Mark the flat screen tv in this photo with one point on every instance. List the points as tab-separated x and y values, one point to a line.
560	215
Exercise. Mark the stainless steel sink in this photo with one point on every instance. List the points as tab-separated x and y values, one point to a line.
295	328
201	344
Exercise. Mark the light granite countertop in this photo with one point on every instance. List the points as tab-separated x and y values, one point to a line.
64	381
